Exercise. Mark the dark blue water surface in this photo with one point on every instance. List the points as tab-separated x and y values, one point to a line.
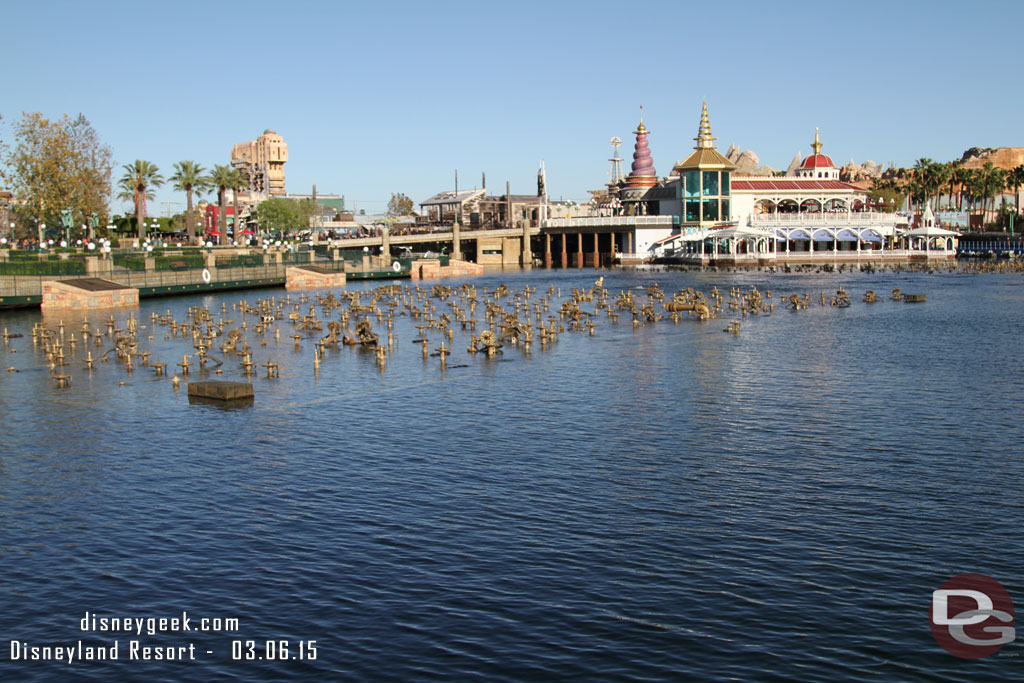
665	502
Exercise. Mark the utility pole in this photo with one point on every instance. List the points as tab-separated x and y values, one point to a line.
316	212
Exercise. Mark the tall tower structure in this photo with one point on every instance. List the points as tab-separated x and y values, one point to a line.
542	191
615	172
642	176
642	173
706	186
704	139
263	161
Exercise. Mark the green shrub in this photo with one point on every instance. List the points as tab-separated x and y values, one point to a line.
130	262
179	262
240	261
69	267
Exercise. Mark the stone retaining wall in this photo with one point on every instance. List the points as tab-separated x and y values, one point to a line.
302	278
63	296
425	269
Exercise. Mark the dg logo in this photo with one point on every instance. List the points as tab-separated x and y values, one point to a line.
972	616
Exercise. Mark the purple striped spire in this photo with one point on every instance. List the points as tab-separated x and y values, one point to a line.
643	172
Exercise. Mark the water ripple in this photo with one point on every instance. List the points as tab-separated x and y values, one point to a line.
655	504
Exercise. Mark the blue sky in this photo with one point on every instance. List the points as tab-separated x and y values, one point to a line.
375	98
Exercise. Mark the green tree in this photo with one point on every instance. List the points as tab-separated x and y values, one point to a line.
998	185
954	177
960	177
992	181
279	215
940	175
922	180
90	201
971	186
222	178
137	185
887	194
177	222
399	205
308	210
188	178
1015	178
59	165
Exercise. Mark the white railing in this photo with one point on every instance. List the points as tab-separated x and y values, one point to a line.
609	222
837	218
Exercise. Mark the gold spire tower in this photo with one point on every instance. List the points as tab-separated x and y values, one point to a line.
704	138
706	178
641	128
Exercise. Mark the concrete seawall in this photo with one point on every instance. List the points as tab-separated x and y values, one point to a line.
428	269
86	294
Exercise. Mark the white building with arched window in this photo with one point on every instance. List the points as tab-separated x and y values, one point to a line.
818	166
704	213
812	211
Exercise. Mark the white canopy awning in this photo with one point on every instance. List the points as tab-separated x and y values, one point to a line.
931	232
737	231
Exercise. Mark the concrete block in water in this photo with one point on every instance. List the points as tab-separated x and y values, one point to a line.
313	277
221	391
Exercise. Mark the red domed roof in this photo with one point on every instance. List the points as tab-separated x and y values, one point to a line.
818	161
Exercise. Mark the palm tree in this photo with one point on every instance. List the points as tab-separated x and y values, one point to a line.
953	178
923	177
137	185
960	176
913	187
188	178
975	188
991	182
940	175
969	179
1016	178
222	178
998	185
986	187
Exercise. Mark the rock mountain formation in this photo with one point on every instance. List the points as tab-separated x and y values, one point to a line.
749	164
1001	157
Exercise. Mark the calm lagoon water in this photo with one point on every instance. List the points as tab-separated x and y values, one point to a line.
664	503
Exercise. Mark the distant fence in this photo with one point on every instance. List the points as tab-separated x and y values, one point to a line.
54	268
17	285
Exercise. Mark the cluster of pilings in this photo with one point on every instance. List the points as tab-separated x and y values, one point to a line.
489	321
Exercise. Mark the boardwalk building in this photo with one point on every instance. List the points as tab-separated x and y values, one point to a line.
704	213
